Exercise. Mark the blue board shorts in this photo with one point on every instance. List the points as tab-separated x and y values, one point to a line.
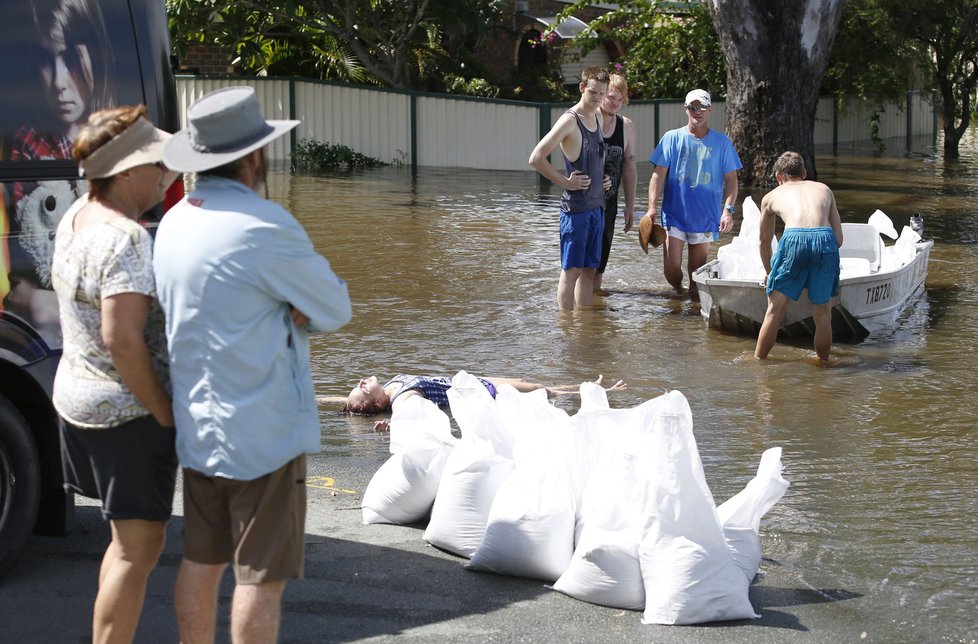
580	238
806	258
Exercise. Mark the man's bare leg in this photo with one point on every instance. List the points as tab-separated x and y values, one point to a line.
584	289
696	256
256	611
822	313
777	302
195	600
596	284
566	287
672	260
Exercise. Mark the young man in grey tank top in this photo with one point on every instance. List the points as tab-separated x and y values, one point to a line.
578	133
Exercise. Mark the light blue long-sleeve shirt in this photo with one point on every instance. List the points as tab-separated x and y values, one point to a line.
228	265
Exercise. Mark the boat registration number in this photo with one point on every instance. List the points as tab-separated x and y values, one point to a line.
879	293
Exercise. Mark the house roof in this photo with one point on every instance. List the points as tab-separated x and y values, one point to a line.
565	29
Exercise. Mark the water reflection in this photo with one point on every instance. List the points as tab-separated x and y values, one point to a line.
458	270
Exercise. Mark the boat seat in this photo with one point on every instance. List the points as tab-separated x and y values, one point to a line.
862	241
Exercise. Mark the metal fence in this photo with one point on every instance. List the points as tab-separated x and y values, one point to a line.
440	130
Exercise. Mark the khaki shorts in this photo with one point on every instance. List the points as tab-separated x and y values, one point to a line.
258	526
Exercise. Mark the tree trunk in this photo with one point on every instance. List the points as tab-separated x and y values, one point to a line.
776	53
956	113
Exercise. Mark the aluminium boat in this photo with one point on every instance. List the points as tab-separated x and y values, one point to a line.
877	282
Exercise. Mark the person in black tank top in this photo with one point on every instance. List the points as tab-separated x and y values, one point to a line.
578	133
619	166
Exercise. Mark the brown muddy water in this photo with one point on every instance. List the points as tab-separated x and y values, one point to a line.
457	269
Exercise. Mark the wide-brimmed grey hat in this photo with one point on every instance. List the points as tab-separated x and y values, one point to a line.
223	126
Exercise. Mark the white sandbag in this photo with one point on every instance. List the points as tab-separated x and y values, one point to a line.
593	396
605	566
905	247
741	258
472	476
419	423
689	573
605	570
530	526
403	489
524	413
750	223
882	223
595	429
589	434
474	410
599	437
741	514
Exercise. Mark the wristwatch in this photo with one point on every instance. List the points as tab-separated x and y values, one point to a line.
729	208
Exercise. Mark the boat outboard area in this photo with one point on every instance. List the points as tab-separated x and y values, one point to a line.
878	281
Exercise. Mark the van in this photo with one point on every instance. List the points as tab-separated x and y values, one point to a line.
60	60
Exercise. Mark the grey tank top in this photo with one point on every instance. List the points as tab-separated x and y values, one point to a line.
590	162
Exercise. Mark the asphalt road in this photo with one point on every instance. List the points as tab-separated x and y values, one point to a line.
374	583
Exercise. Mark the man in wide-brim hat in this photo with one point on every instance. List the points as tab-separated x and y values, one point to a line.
241	287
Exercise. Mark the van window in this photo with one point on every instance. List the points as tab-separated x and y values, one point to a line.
59	61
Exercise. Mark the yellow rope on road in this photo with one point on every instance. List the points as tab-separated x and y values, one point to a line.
326	483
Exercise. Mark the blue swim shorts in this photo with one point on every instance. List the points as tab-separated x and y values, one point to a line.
806	258
580	238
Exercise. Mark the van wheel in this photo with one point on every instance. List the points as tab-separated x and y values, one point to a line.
20	483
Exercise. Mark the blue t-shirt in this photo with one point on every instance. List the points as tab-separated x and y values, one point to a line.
693	195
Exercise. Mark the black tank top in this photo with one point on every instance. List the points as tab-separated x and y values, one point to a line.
589	162
614	157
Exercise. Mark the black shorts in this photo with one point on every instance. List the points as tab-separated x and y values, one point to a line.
131	468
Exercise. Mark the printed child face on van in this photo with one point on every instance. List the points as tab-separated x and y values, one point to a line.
74	60
66	73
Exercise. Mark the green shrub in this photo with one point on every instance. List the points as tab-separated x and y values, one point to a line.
313	155
470	87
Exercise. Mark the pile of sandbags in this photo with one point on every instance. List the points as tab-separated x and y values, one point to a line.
609	505
741	258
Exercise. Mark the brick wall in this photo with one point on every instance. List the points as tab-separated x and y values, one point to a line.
497	52
205	60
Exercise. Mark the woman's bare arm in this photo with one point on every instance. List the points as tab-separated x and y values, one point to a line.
123	318
562	390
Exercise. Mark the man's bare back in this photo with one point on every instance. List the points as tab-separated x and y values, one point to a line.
802	204
798	202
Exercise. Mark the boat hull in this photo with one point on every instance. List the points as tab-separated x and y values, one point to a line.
866	304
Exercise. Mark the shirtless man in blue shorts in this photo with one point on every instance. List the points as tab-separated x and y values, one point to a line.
808	253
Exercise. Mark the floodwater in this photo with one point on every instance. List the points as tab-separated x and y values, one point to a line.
457	269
